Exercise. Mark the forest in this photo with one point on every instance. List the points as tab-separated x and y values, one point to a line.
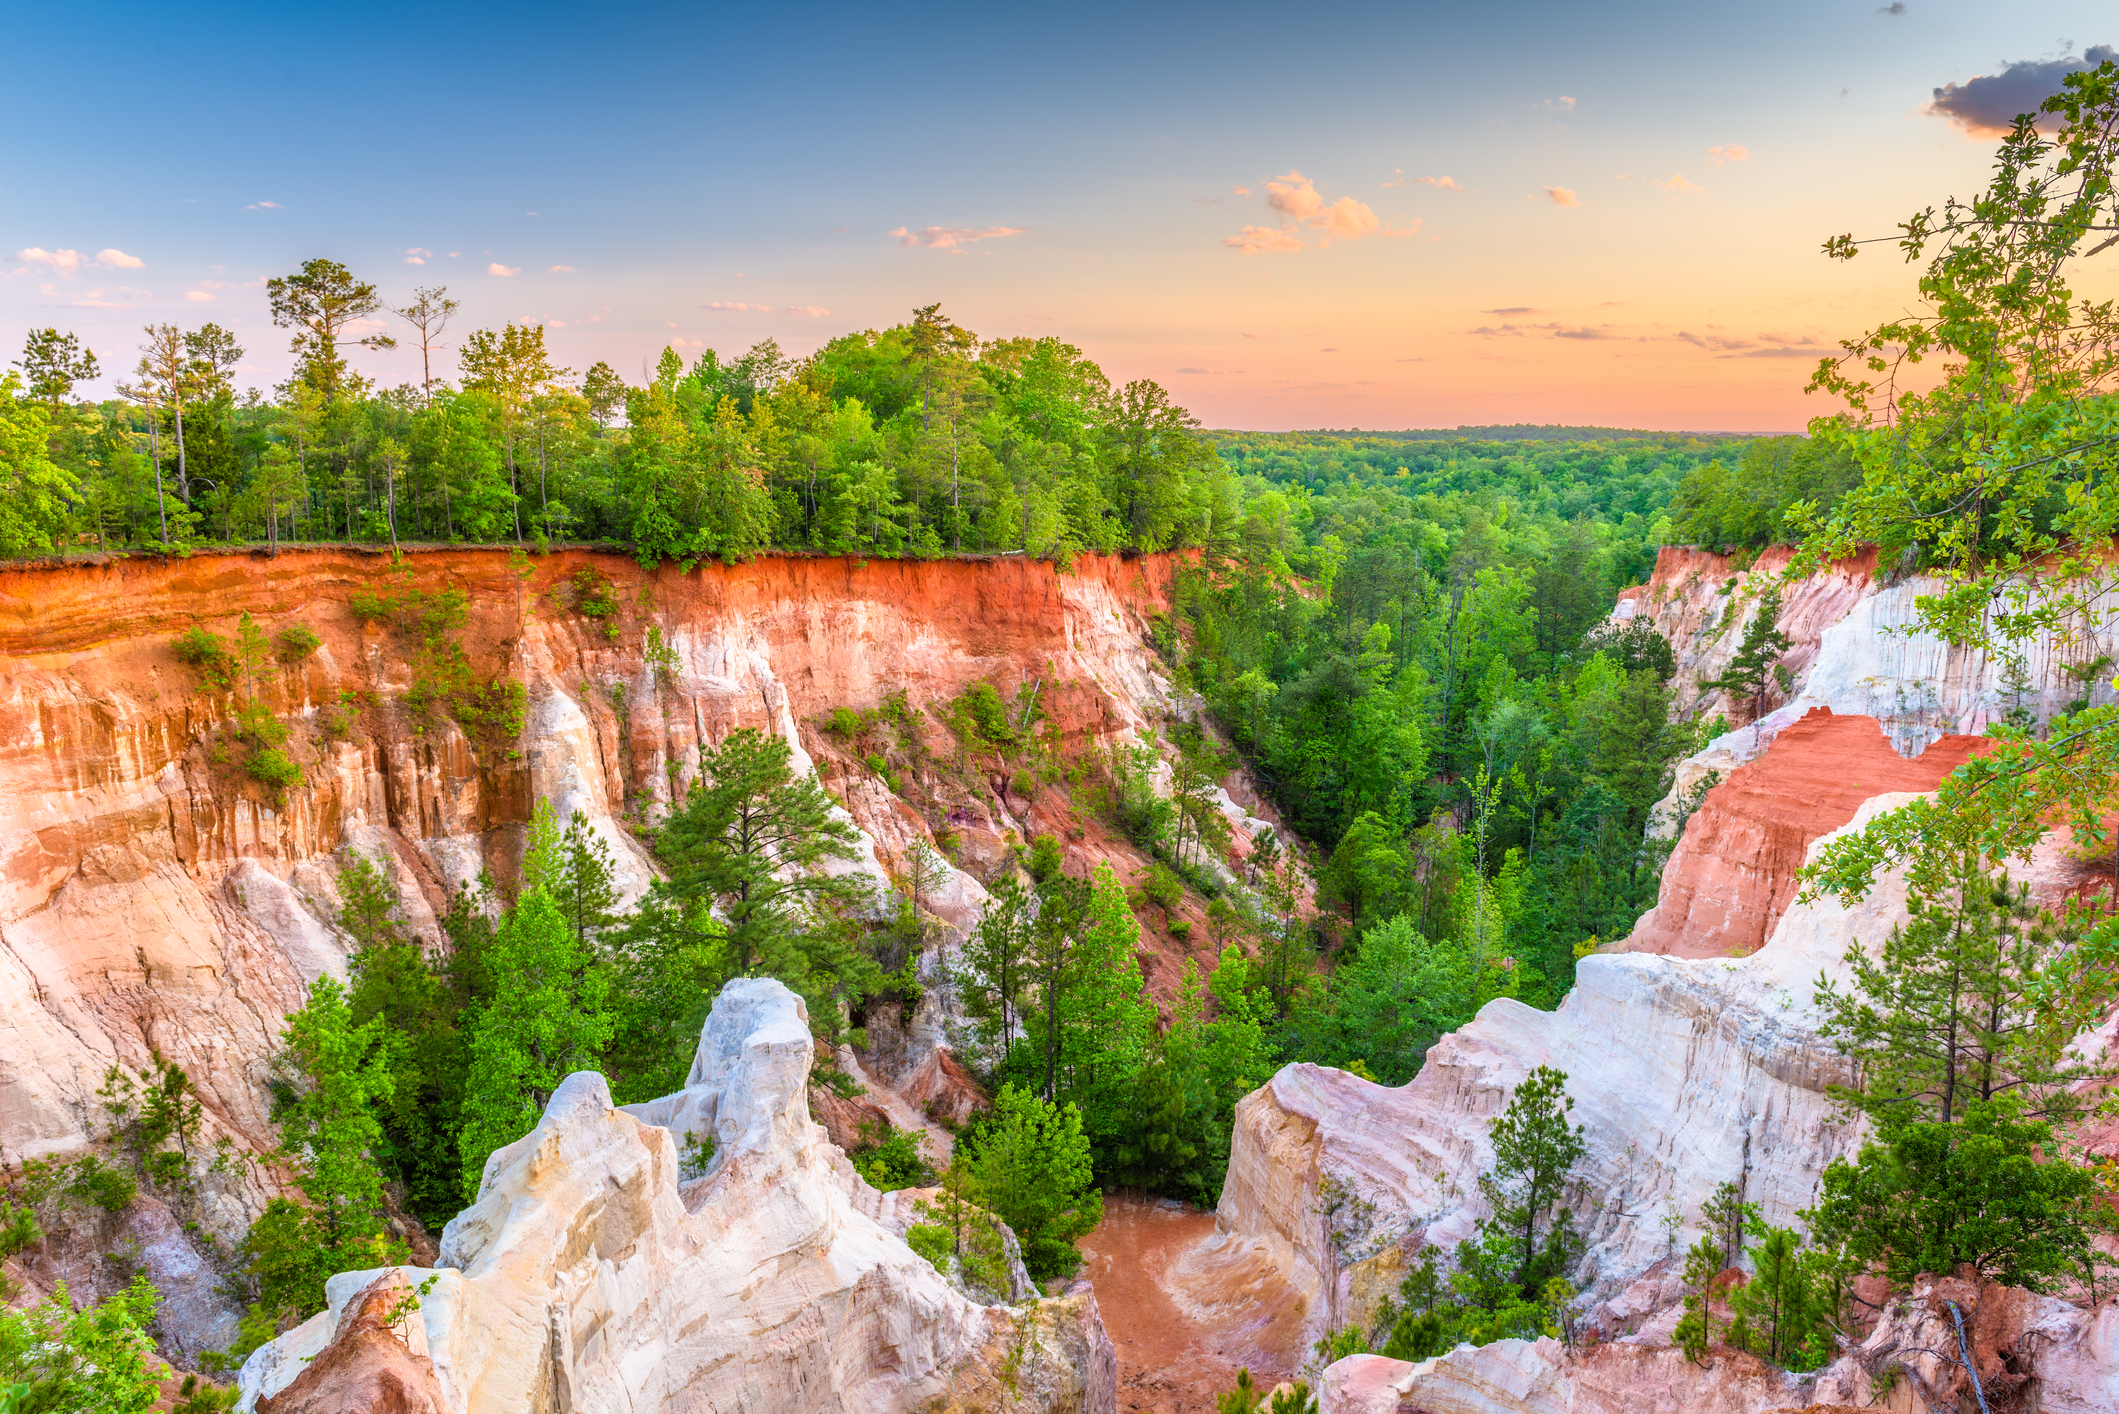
1402	636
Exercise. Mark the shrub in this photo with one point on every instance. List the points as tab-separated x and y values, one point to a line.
844	721
891	1160
273	767
208	656
931	1242
296	643
18	1229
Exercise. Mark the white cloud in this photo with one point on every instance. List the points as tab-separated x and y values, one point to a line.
1731	152
65	262
414	260
200	296
496	268
417	255
1256	240
952	237
118	259
737	307
561	270
263	206
1561	196
1445	183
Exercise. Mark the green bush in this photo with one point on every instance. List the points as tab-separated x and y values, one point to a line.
18	1229
208	656
891	1160
931	1242
844	721
275	768
296	643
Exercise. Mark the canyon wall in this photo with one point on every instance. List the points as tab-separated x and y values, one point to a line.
593	1274
1685	1073
153	899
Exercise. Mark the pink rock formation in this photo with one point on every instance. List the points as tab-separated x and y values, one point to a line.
1732	875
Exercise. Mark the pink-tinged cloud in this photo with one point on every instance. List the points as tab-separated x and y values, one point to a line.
118	259
561	270
1260	240
200	296
1294	196
1731	152
1561	196
1445	183
737	307
496	268
1300	204
66	262
1241	191
807	311
952	237
263	206
1678	186
1562	104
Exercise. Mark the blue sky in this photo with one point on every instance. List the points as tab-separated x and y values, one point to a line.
1227	199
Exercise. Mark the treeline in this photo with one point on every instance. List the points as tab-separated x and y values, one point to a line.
920	439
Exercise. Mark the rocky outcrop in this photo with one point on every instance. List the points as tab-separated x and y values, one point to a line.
1853	648
1733	872
1685	1073
2029	1352
593	1274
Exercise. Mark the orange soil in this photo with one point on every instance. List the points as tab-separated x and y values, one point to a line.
1174	1357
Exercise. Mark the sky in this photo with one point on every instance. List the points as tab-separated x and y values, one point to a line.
1374	216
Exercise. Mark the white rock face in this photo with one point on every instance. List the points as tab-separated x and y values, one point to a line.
2072	1356
1685	1074
590	1277
1854	650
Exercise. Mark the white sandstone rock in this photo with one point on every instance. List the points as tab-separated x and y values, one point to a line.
1685	1074
589	1277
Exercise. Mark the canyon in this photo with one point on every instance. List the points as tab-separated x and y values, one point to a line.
156	903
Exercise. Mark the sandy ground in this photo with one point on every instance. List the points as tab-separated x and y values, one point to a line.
1151	1261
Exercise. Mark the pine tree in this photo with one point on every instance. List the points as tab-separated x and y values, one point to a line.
547	1016
993	968
1535	1151
1093	1022
1032	1165
329	1135
1961	1006
1756	659
753	839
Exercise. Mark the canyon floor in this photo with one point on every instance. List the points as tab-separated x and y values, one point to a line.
1175	1354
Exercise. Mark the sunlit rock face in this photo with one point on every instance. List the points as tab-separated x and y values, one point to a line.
154	900
1685	1073
593	1274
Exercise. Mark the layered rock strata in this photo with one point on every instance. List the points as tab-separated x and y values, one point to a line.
1685	1073
593	1274
153	899
1733	873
